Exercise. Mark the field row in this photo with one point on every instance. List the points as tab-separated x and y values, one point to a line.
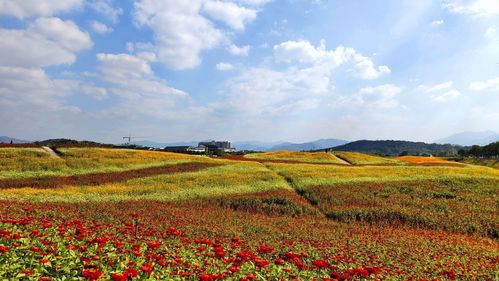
154	240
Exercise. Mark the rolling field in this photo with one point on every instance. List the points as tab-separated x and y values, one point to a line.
113	214
35	162
419	160
493	163
365	159
305	157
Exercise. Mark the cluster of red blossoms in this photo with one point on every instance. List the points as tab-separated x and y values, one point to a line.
44	247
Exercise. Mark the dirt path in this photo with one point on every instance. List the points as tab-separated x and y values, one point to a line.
343	160
50	152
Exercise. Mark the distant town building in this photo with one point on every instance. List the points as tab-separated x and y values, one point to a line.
224	146
203	148
178	149
197	149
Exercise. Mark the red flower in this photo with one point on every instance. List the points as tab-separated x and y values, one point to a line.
3	249
45	278
206	277
92	274
265	249
118	277
130	272
44	261
147	268
320	264
279	261
261	263
27	272
172	231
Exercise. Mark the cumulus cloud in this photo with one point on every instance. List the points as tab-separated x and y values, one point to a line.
239	51
46	41
488	85
181	32
91	90
184	29
222	66
235	16
305	52
27	8
304	83
32	89
99	27
140	90
302	51
480	8
383	96
106	8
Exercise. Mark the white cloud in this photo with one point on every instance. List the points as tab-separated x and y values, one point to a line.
303	85
47	41
183	29
91	90
105	7
99	27
366	69
235	16
148	56
383	96
437	22
301	51
27	8
491	33
239	51
135	83
32	90
181	33
305	52
222	66
254	2
441	92
488	85
439	87
447	96
480	8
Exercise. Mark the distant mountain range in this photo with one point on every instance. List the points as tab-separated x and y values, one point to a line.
395	148
471	138
148	143
314	145
258	146
5	139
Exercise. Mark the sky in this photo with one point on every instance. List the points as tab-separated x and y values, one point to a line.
267	70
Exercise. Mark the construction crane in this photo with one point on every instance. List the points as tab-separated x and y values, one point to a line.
130	137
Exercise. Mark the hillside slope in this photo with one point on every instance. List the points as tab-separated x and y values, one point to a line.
394	148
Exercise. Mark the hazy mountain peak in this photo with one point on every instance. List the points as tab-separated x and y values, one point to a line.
471	138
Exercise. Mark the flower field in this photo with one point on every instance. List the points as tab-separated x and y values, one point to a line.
365	159
293	156
426	160
164	216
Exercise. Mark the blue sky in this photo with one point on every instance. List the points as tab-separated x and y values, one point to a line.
264	70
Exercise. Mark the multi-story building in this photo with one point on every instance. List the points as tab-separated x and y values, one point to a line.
224	146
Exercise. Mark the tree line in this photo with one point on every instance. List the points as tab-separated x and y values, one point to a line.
489	150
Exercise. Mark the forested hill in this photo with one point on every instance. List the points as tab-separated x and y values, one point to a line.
395	148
